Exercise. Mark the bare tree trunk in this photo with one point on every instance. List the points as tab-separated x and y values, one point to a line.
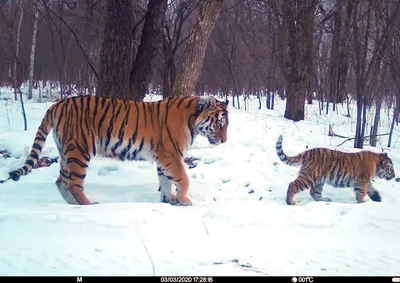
142	67
116	50
15	78
360	58
33	50
395	114
273	100
377	117
299	17
196	46
335	57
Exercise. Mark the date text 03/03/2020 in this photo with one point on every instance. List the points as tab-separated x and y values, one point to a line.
184	279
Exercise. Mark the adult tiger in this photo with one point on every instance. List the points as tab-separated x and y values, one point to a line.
338	169
161	131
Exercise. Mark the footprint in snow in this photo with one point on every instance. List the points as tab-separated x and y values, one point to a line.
225	180
211	160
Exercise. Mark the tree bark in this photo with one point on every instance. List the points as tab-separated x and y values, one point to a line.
335	57
299	17
33	50
374	132
150	41
395	114
196	46
116	50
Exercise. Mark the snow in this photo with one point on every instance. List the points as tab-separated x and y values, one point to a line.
239	223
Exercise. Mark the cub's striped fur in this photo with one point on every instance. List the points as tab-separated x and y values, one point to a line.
161	131
339	169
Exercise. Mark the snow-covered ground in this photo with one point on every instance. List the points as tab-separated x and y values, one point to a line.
239	223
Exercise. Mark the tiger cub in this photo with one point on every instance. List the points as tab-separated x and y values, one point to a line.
160	132
339	169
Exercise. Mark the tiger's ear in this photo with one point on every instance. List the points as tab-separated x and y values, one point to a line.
211	102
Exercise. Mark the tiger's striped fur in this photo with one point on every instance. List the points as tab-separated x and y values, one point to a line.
161	131
338	169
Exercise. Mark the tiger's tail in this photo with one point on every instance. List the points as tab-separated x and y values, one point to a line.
289	160
40	139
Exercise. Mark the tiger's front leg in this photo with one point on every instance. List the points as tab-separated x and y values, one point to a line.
361	192
165	188
175	172
374	194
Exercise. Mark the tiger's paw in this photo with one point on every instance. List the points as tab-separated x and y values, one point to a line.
171	199
90	203
290	202
375	197
184	201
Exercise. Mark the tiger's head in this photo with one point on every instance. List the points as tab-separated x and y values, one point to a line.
385	169
212	120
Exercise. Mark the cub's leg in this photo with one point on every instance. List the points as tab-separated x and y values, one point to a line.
316	193
165	188
174	170
77	163
361	192
373	194
62	182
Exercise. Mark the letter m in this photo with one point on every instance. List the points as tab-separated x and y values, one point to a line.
78	279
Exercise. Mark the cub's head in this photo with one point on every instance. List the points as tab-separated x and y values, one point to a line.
212	121
385	169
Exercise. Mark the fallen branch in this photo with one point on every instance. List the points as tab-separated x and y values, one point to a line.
349	139
339	136
205	227
246	266
152	264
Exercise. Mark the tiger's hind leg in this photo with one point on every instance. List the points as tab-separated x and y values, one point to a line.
77	163
175	172
165	188
316	193
62	183
300	184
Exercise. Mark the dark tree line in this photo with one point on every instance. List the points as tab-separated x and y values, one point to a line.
324	51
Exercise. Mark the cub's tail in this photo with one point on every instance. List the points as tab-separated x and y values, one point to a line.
40	139
289	160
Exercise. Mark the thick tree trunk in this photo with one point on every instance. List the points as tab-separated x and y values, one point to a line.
142	66
273	100
33	50
116	50
335	57
360	58
196	46
299	17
